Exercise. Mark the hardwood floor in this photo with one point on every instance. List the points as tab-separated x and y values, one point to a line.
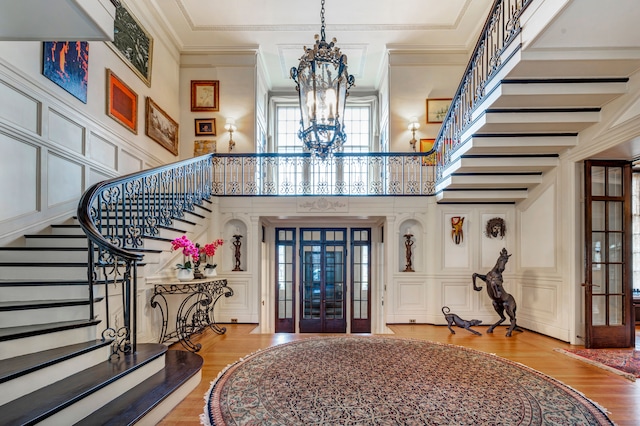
620	396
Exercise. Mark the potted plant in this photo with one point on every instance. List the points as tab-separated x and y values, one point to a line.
189	252
209	250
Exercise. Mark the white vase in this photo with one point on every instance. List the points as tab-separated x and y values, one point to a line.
210	272
185	274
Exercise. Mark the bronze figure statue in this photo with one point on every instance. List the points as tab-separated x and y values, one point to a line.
453	319
502	301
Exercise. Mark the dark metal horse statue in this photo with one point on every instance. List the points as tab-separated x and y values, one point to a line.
502	301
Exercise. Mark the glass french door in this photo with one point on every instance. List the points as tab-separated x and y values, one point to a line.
360	280
322	289
285	280
609	312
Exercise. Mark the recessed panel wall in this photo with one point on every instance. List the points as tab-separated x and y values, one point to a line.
538	230
66	132
103	151
18	177
18	108
128	163
64	181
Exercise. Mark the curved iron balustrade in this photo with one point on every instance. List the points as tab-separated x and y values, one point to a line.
500	29
116	215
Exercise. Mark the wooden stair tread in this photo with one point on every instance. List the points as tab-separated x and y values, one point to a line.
44	402
12	368
31	283
40	304
10	333
134	404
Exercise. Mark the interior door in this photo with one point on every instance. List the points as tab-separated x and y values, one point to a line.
608	288
322	298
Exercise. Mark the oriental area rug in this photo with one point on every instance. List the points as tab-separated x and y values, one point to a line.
389	381
624	362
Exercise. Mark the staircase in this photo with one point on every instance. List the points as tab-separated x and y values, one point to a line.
537	99
54	366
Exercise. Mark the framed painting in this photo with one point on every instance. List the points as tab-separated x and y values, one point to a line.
160	127
437	109
205	95
205	126
425	146
122	102
66	63
202	147
132	43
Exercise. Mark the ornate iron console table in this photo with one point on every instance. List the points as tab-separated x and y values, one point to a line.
195	312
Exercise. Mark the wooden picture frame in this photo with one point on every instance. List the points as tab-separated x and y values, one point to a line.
66	63
132	43
205	126
205	95
160	127
437	109
425	146
122	102
203	147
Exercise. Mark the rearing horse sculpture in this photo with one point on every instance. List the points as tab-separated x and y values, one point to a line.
502	301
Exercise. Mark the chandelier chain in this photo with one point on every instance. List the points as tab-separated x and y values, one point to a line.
322	20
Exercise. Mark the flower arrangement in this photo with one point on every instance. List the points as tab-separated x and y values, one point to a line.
194	252
189	251
209	250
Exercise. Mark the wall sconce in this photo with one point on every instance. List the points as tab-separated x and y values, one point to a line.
230	126
413	126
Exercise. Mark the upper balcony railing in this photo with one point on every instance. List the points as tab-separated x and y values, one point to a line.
500	29
340	174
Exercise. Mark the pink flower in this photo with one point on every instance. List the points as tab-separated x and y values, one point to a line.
210	249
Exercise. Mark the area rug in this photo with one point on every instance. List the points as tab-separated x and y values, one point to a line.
624	362
389	381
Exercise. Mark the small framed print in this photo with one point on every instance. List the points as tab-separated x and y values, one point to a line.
205	95
425	146
203	147
122	102
160	127
437	109
205	126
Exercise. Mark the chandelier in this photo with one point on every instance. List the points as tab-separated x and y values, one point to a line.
322	83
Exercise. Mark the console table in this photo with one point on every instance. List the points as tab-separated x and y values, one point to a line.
196	310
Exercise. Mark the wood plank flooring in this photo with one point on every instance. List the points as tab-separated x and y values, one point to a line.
620	396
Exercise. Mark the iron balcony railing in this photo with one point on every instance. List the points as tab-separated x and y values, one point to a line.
340	174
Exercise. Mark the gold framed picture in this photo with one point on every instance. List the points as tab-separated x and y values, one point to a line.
160	127
205	95
205	126
122	102
437	109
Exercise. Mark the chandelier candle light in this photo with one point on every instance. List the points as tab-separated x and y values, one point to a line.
322	83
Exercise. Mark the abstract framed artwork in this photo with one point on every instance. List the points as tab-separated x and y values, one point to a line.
205	95
437	109
66	63
160	127
122	102
205	126
425	146
132	43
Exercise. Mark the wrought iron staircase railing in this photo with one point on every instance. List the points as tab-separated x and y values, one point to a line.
500	29
116	215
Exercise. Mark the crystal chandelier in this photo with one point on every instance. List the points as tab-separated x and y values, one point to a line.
322	83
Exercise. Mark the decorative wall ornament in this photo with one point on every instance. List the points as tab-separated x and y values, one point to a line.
456	229
323	204
408	243
495	227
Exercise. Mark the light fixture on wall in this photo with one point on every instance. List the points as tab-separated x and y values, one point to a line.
322	83
230	126
413	126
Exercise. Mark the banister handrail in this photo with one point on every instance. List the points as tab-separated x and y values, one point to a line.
500	28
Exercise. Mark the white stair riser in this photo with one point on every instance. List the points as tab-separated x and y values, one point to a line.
76	230
28	383
43	316
27	345
56	242
44	255
161	410
49	292
34	273
88	405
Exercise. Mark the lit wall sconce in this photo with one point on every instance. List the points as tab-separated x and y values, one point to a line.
413	126
230	126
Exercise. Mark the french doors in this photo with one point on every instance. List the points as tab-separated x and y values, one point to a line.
609	312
